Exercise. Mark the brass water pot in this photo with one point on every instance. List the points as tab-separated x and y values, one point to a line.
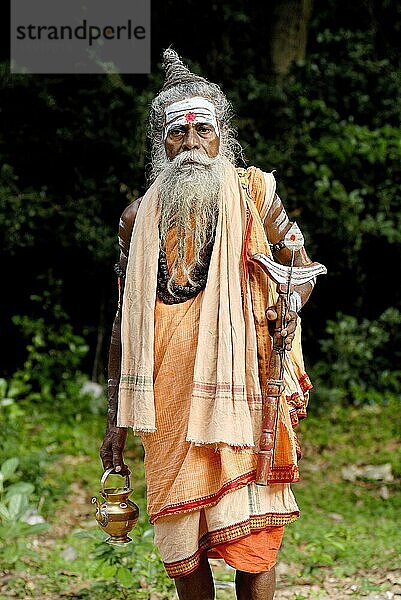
117	515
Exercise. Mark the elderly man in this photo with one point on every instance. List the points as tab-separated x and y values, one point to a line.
190	346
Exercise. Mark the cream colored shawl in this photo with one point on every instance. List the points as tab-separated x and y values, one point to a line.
226	396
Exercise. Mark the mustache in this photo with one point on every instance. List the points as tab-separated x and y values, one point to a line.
192	159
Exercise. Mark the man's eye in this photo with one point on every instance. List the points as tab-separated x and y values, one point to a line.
176	132
204	129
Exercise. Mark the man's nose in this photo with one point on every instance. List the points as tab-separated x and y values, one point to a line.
191	140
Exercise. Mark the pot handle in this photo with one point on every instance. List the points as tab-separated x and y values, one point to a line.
105	476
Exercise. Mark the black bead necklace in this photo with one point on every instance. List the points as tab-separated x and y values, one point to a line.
182	293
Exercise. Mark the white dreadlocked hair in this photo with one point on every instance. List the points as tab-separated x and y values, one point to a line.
188	192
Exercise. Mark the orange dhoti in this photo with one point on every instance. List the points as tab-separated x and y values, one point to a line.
255	553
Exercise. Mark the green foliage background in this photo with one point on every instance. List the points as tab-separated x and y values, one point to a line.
73	152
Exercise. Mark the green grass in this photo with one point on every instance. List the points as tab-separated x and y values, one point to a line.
346	528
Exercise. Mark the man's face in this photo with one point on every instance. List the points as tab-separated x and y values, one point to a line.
199	136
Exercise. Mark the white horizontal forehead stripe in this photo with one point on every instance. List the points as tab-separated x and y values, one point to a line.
190	104
198	113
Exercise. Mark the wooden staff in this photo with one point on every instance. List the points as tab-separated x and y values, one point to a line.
271	401
285	277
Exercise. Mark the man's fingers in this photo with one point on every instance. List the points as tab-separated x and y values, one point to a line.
291	316
271	313
121	469
107	464
289	330
291	323
124	471
111	451
107	456
111	457
117	459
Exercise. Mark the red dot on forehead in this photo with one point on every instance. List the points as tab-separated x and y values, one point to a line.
293	237
190	117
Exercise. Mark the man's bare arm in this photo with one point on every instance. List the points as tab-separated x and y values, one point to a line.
111	451
276	226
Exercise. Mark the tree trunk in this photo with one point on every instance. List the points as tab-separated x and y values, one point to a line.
289	33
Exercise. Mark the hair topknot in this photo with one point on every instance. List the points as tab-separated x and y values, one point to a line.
176	72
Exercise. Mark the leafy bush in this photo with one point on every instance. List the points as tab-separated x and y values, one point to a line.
355	366
137	566
14	508
54	353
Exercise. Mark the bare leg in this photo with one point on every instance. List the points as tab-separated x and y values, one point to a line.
197	585
255	586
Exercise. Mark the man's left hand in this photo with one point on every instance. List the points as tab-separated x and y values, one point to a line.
288	332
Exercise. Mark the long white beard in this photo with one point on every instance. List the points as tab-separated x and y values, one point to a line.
189	191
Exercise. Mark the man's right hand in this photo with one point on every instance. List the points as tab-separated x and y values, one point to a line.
111	450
